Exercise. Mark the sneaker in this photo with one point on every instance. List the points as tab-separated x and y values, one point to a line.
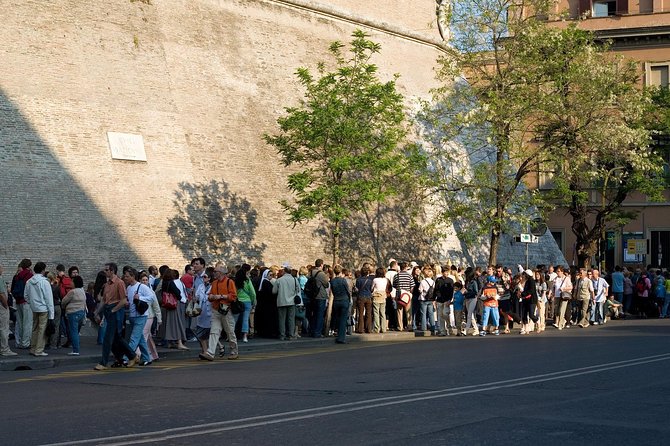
233	356
475	333
99	367
73	354
554	325
206	357
596	323
9	353
133	362
482	333
40	354
145	363
496	333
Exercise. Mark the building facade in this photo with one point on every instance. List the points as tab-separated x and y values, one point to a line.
639	30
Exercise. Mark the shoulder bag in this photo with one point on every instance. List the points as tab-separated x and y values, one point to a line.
168	300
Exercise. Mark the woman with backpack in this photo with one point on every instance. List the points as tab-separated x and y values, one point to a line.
426	290
472	289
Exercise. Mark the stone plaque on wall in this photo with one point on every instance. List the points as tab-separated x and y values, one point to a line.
126	146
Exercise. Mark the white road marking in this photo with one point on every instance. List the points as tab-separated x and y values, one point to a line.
316	412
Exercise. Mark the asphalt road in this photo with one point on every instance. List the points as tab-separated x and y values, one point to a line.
601	385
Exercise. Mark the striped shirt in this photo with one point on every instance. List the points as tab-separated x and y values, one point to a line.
403	281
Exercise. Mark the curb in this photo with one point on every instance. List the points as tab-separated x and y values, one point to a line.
24	362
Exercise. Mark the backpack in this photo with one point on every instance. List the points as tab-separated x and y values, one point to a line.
312	287
472	290
430	294
18	289
641	285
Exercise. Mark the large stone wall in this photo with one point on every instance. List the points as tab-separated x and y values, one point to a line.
201	81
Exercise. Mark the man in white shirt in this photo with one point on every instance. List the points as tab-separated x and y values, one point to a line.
139	299
600	287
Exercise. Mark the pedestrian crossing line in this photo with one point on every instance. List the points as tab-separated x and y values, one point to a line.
180	364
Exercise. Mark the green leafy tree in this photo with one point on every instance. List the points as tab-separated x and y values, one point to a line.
593	124
345	139
481	120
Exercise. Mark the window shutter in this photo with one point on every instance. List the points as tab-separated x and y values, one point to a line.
584	6
622	7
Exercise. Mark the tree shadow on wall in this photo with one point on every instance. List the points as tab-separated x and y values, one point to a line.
213	222
389	231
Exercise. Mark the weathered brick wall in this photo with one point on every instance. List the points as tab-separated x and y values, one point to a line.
201	81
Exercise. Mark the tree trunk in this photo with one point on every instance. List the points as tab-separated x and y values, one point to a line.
585	250
495	240
336	242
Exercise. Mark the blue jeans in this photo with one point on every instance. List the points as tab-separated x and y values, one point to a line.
137	337
597	312
341	315
666	306
73	320
493	312
319	314
427	310
113	342
245	317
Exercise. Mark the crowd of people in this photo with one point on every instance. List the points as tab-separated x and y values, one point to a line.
136	310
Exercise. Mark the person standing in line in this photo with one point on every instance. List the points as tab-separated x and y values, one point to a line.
585	296
247	295
541	287
403	282
528	301
472	291
459	303
64	282
427	300
153	313
321	300
204	319
490	297
286	288
339	287
601	288
380	289
138	306
617	283
114	300
74	308
54	339
444	293
24	315
562	293
391	305
38	294
364	300
4	318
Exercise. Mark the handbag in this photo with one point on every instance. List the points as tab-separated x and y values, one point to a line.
404	299
197	308
566	295
168	300
237	307
141	306
51	328
223	309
